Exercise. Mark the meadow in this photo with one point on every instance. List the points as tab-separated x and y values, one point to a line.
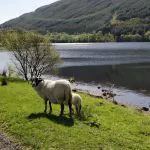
101	125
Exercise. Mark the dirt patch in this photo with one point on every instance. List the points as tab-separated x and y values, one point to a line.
6	144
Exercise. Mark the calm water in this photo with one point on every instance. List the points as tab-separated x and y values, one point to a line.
127	65
99	54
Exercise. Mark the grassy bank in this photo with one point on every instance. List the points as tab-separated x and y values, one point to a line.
103	125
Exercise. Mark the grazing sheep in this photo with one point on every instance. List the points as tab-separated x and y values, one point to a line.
58	92
76	100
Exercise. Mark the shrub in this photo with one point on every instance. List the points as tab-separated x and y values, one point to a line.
4	73
4	81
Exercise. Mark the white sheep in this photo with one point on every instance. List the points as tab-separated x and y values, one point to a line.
76	101
58	92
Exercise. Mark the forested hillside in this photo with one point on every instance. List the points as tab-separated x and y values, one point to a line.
79	16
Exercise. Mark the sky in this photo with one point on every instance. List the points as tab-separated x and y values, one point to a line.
10	9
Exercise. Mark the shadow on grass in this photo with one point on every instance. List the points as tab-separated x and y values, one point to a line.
57	119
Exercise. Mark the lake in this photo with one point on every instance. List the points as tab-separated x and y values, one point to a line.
126	65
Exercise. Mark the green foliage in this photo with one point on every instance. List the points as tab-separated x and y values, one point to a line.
12	71
4	73
4	81
0	37
131	38
14	40
13	79
134	9
147	36
82	16
107	126
85	37
33	53
3	78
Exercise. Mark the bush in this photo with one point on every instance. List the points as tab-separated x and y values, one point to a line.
4	81
131	38
32	52
4	73
147	36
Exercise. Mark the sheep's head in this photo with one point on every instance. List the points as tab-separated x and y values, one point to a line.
36	81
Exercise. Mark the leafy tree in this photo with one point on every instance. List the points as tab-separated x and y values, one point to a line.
147	36
32	52
131	38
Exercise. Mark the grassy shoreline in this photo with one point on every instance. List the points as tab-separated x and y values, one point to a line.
104	125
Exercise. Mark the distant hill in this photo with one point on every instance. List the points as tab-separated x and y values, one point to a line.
78	16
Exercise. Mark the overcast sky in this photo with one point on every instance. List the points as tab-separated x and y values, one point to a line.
10	9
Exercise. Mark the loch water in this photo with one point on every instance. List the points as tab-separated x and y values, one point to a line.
126	65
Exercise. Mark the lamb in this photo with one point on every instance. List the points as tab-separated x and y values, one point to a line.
76	100
58	92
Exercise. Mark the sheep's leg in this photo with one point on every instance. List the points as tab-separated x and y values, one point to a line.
70	109
80	109
77	111
62	110
50	106
45	106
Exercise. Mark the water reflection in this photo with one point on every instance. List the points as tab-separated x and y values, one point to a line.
99	54
131	76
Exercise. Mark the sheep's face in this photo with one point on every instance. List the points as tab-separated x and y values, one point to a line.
36	81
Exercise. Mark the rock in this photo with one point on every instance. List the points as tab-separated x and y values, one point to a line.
103	90
74	90
115	102
145	109
123	105
94	124
98	96
104	94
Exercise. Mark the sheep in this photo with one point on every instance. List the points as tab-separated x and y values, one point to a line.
58	92
76	100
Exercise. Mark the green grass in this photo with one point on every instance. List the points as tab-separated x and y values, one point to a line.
103	125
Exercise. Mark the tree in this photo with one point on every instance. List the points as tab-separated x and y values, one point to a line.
131	38
33	53
147	36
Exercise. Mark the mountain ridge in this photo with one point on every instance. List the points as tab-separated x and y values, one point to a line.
79	16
